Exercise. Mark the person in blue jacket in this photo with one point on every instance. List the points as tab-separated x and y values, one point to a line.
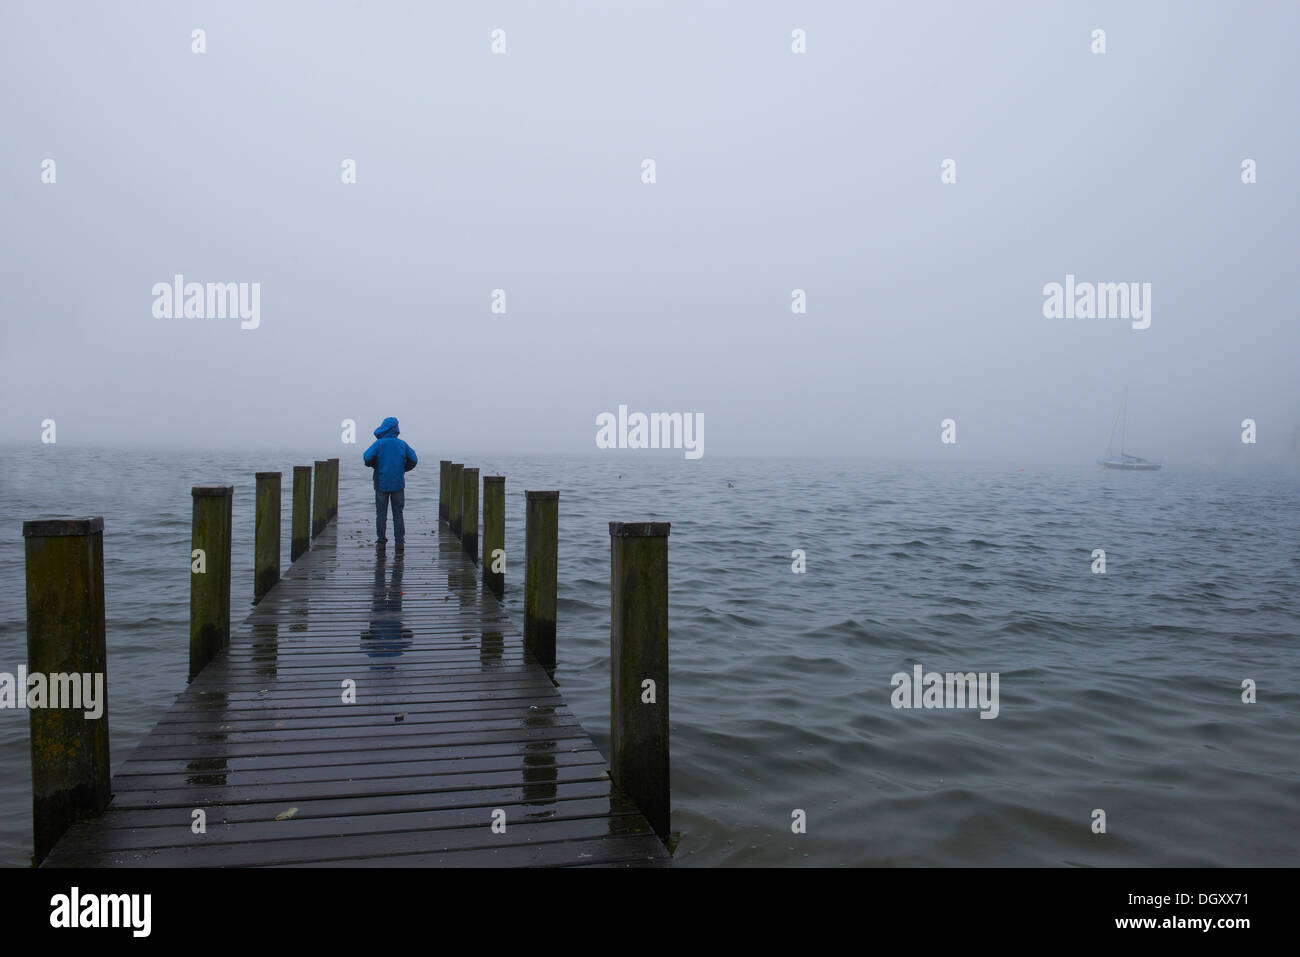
391	458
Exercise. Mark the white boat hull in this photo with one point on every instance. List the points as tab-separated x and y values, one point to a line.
1130	466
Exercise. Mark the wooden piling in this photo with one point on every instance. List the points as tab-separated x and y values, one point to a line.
541	548
301	539
266	534
209	574
638	700
453	514
65	636
494	533
333	489
319	497
444	489
469	512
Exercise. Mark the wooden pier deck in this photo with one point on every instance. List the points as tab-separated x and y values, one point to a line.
452	721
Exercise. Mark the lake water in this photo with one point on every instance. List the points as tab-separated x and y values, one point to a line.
1119	691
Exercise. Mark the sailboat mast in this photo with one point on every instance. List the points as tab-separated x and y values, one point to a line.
1125	461
1123	427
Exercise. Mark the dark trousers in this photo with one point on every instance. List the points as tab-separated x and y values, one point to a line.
382	501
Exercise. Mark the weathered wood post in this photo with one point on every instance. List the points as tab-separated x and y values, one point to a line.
444	489
469	512
453	514
541	549
65	636
266	534
638	687
494	533
209	574
319	497
333	488
301	540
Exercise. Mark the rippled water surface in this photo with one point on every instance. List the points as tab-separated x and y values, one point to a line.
1119	691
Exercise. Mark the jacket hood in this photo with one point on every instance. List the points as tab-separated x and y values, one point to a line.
386	428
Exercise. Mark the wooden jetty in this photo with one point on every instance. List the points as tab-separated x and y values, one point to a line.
376	708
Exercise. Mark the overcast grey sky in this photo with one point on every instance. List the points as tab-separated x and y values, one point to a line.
774	171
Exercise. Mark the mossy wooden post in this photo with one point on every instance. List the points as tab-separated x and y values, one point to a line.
266	534
494	533
319	499
469	512
333	489
444	489
638	687
209	574
453	507
301	540
541	547
65	635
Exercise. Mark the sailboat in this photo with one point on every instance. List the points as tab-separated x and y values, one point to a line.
1124	461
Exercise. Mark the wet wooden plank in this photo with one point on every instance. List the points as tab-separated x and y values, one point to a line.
199	747
431	771
465	826
452	720
171	817
639	850
202	794
520	845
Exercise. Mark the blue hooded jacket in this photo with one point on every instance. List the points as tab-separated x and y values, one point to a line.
390	457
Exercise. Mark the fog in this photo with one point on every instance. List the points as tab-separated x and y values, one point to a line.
774	171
